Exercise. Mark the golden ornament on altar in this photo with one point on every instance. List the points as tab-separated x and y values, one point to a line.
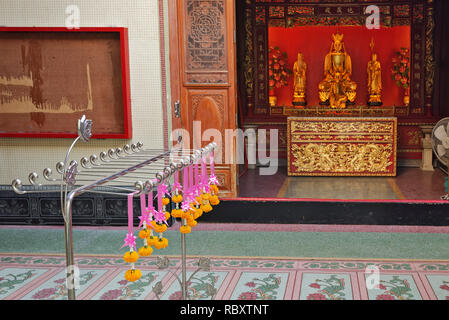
356	146
374	71
337	89
407	97
342	157
374	81
406	100
272	99
299	81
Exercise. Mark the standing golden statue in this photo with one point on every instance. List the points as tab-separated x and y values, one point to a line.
337	89
374	71
299	81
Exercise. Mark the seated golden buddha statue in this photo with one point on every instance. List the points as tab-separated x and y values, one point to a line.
337	89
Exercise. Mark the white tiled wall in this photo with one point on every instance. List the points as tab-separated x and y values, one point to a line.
19	156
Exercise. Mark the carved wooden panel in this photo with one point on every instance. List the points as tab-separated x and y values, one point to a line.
226	181
409	137
50	207
205	64
346	146
45	209
416	74
207	111
430	64
205	42
261	94
208	106
13	206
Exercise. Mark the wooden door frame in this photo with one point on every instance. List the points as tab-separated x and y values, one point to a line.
174	43
177	81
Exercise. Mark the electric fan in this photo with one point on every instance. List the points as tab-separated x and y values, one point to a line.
440	143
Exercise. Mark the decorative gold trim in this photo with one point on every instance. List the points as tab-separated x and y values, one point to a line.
429	60
344	118
264	123
261	123
418	124
355	174
248	63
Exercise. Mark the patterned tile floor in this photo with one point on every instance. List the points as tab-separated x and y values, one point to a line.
34	277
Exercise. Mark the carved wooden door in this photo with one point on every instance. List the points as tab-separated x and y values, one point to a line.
203	76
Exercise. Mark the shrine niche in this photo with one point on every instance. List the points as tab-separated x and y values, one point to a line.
330	40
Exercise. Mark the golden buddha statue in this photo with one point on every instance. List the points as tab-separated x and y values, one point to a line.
374	79
299	81
337	89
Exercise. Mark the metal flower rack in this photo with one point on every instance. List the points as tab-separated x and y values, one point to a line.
120	171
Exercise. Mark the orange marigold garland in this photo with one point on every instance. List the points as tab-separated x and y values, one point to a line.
190	207
145	232
133	274
165	202
160	217
151	239
198	212
131	256
185	229
176	197
205	195
186	204
193	179
197	195
213	181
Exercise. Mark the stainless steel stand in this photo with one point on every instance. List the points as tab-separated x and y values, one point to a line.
183	267
112	174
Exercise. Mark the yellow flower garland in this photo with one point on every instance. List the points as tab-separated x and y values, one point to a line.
145	251
133	275
151	240
144	233
130	256
185	229
204	203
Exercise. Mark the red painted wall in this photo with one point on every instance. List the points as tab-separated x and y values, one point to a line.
315	42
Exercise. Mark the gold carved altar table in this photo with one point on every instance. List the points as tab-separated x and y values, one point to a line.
346	146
